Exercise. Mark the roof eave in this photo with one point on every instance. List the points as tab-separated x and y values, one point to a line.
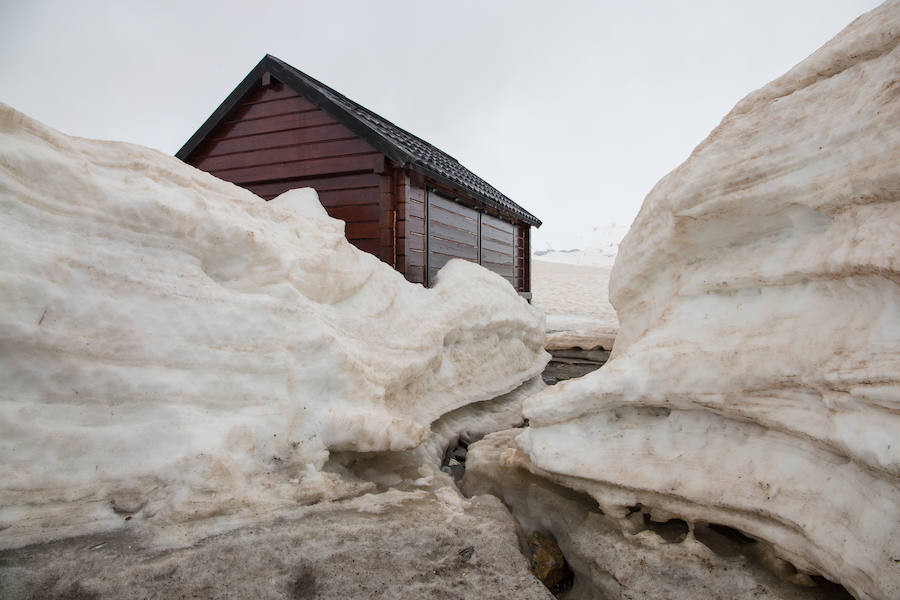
522	215
247	85
277	69
288	75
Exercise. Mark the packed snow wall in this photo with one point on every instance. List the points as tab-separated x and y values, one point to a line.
174	347
755	381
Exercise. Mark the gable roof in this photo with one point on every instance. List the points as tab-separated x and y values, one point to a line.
396	143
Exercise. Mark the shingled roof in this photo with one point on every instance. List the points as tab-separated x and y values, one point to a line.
396	143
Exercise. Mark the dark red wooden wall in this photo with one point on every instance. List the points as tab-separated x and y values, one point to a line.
277	140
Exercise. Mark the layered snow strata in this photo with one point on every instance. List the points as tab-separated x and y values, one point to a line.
172	346
755	380
637	552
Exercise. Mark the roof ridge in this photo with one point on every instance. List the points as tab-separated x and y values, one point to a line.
333	92
401	146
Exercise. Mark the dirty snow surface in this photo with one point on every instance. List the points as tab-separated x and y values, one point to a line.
755	380
173	348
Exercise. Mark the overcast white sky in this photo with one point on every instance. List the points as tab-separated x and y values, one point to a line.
572	109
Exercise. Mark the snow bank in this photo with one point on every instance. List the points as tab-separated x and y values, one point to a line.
575	298
173	347
572	287
586	257
755	381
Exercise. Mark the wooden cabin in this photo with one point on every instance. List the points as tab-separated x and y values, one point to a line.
403	200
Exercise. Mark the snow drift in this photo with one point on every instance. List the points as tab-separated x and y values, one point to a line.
755	381
172	346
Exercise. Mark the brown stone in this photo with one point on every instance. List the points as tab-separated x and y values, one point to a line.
548	563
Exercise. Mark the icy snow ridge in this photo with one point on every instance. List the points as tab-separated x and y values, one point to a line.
755	380
173	347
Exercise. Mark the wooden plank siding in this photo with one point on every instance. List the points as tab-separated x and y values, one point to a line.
276	140
452	232
413	225
498	247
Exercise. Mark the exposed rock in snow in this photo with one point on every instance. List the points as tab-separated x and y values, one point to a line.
173	348
755	381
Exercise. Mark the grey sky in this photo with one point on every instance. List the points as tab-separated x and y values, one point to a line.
572	109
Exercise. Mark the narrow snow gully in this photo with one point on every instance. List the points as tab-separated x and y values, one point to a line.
571	545
439	466
572	363
443	453
466	427
454	461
